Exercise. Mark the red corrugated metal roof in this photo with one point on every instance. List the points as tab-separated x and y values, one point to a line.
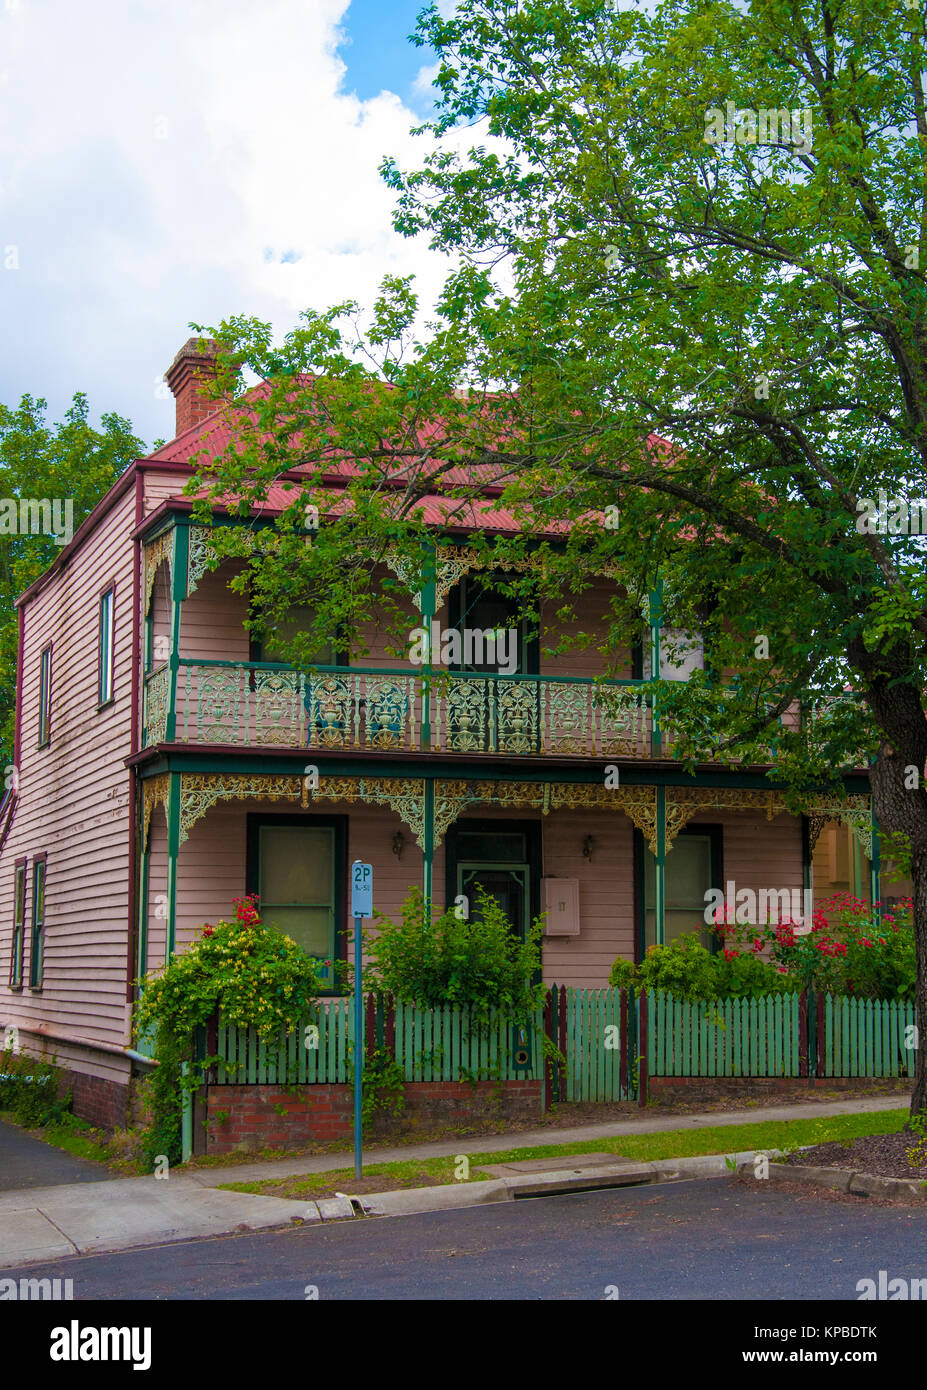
212	437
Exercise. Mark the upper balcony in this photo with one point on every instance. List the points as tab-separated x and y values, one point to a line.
213	686
247	704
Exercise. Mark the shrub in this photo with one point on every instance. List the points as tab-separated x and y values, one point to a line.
748	977
682	967
685	969
623	974
448	959
29	1088
245	971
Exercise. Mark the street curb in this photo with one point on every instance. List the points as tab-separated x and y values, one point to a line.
846	1180
520	1186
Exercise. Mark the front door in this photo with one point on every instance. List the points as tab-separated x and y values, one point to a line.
501	857
507	884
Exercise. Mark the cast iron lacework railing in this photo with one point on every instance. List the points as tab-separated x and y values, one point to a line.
248	704
157	694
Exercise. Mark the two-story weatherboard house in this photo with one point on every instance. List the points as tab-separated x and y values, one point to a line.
161	771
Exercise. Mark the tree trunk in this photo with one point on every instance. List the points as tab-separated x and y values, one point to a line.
919	876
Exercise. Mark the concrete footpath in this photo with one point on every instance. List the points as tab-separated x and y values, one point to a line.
120	1213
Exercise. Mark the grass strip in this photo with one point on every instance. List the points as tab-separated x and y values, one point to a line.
674	1143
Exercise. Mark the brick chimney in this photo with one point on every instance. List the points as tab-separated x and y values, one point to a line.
191	369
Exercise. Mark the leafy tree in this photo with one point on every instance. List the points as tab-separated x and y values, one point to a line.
693	338
70	461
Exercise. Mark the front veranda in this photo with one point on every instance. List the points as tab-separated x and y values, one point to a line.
615	868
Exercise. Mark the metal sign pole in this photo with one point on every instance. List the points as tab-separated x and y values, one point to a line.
361	907
358	1050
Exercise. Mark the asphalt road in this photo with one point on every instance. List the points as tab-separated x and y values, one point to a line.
28	1162
689	1240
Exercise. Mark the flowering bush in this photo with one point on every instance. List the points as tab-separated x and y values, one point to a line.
849	950
249	973
685	969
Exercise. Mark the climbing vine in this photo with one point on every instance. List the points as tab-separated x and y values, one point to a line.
243	970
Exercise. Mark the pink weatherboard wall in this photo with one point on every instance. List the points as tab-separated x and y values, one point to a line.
75	806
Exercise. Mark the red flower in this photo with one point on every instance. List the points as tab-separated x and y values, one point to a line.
730	954
210	931
246	910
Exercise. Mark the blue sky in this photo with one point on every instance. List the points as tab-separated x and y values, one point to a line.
178	161
378	53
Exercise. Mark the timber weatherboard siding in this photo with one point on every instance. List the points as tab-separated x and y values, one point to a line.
74	805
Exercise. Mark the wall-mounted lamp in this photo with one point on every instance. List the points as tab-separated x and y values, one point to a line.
588	846
399	844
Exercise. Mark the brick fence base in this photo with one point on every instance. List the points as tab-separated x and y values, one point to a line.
691	1088
280	1117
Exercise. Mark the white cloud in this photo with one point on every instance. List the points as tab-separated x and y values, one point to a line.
424	78
152	155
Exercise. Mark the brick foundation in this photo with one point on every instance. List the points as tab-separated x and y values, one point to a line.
278	1117
101	1102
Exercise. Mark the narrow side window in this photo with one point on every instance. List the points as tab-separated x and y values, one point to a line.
105	686
19	925
37	953
45	697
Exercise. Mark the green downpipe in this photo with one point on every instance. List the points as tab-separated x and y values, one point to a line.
659	875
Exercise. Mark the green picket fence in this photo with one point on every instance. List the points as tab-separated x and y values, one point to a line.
600	1033
445	1044
597	1067
319	1050
429	1044
727	1037
780	1035
867	1037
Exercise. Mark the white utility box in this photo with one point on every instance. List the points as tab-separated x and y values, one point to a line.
561	903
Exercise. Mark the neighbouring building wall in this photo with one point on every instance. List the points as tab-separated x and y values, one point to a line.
842	866
74	805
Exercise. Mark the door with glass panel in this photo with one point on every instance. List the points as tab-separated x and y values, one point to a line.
692	869
502	860
296	869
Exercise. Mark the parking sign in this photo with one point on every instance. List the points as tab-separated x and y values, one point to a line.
361	889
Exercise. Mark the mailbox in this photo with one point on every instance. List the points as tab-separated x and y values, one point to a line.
521	1047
